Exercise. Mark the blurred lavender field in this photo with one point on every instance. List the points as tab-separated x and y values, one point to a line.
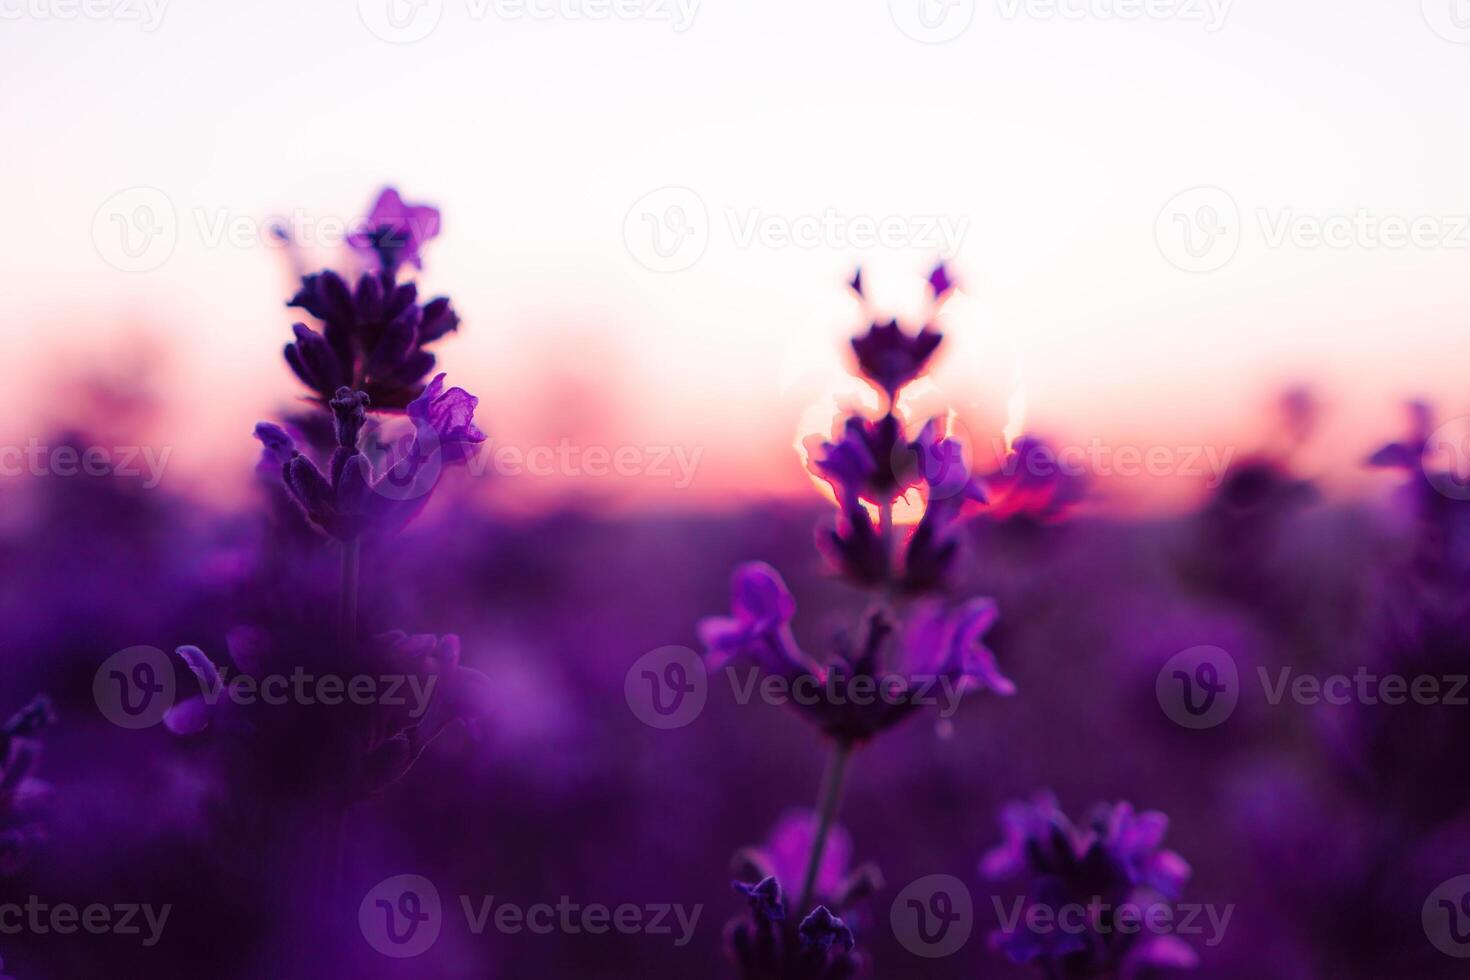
1314	829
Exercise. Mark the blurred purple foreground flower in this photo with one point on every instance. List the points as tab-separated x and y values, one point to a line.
395	232
1116	860
22	795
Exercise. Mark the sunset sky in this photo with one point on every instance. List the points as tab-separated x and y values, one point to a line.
1060	159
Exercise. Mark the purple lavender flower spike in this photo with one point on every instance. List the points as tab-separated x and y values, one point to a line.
823	930
396	232
890	358
759	624
373	337
450	416
23	796
765	898
352	499
1116	859
767	945
277	446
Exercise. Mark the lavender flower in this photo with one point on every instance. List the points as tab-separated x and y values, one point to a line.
395	232
22	795
1116	859
1031	484
874	679
373	337
888	356
767	945
355	497
1434	500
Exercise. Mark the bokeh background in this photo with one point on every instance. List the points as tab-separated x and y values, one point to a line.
1182	233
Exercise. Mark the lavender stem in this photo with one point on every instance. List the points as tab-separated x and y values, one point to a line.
827	804
347	624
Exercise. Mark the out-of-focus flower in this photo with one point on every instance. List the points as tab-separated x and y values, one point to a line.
784	856
366	746
870	683
373	337
1031	483
759	624
395	232
354	498
1408	453
1442	519
768	945
1117	859
22	795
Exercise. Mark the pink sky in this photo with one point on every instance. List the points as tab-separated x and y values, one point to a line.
1056	156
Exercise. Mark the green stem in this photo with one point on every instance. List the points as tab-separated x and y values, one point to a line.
347	622
827	804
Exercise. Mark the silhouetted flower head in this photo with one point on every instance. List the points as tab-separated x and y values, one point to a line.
395	232
373	337
890	357
768	945
1117	858
359	495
